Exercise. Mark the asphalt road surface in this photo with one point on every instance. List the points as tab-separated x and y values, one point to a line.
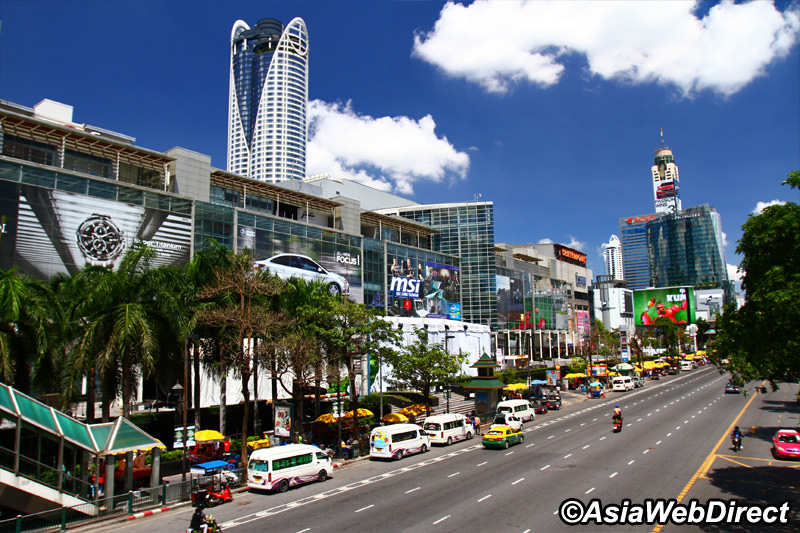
673	446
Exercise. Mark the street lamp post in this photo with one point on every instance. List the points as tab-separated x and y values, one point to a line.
177	391
447	385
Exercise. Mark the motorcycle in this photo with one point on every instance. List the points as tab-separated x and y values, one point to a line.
211	497
213	526
737	443
617	420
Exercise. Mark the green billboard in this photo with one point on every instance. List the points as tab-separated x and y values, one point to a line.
673	303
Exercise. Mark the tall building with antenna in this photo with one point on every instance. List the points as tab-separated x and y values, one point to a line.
268	102
666	184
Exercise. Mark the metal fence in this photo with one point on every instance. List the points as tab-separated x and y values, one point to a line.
104	508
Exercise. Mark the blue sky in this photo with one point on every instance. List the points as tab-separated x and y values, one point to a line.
552	110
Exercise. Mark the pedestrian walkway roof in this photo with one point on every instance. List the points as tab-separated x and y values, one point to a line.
108	438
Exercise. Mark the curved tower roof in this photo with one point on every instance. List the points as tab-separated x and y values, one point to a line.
268	103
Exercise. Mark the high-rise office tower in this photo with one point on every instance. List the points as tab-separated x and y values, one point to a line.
612	257
666	190
268	104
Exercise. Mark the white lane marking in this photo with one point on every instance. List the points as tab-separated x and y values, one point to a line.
567	430
585	446
590	490
304	530
509	453
669	434
481	464
454	474
568	456
412	490
519	481
442	519
545	467
630	462
364	508
657	443
485	498
602	438
638	419
551	437
613	475
645	451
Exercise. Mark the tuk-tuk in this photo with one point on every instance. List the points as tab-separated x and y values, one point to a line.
213	482
596	390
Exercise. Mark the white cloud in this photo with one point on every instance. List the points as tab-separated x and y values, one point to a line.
733	273
575	244
499	43
388	153
760	206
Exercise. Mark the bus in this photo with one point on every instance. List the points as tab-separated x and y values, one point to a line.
276	469
448	428
397	440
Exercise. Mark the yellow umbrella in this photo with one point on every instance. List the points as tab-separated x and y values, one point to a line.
327	418
394	418
515	386
208	435
574	375
362	413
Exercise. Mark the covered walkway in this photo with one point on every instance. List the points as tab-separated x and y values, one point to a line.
48	458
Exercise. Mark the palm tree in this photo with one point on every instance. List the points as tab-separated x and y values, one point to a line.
131	323
23	327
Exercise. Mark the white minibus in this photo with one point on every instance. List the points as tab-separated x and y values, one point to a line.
622	383
397	440
448	428
279	467
686	365
520	408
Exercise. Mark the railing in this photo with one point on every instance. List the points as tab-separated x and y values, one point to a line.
45	475
102	509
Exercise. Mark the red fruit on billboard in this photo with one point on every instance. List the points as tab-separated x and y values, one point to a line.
646	319
542	323
685	304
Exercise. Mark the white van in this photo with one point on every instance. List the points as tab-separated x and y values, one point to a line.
279	467
448	428
520	408
397	440
686	365
622	383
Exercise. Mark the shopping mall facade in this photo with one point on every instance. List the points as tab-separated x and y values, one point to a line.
73	195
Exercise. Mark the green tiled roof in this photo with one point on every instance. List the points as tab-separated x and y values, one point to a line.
478	383
107	438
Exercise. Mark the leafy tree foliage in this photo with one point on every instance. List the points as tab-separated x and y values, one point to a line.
422	364
760	339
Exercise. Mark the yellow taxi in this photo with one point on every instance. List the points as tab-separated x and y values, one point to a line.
502	437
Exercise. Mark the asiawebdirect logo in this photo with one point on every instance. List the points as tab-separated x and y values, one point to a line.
714	511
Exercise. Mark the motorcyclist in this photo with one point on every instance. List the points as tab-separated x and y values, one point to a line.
199	520
617	413
736	435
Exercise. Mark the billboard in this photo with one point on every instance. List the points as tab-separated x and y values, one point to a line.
510	301
431	290
337	258
46	231
673	303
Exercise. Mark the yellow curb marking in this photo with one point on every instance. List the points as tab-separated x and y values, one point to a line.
710	459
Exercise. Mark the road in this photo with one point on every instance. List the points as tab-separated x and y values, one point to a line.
673	429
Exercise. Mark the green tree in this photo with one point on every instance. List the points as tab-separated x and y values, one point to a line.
242	314
760	339
422	364
24	325
129	327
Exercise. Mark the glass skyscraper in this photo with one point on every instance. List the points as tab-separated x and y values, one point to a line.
465	230
635	258
686	248
268	104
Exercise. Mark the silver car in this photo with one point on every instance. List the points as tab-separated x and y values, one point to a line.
299	266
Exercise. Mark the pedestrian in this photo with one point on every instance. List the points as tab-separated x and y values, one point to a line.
477	423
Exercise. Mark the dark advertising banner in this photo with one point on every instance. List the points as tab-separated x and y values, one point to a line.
673	303
431	290
335	258
510	301
61	232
